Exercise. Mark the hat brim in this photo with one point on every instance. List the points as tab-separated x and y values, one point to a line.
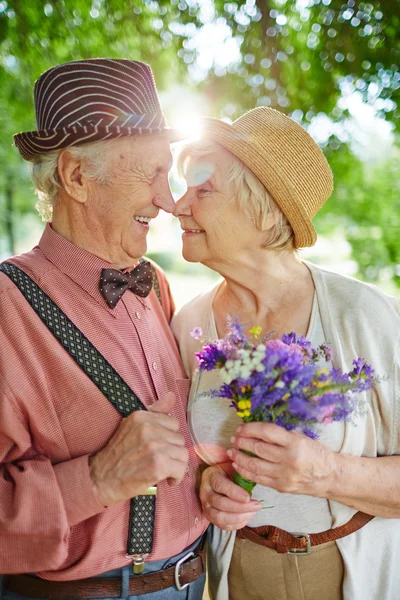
244	148
32	144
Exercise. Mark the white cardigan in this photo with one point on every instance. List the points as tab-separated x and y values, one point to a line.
358	320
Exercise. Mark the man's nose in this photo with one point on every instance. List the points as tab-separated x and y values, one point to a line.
164	198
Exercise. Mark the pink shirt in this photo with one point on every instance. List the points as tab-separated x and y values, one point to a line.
52	418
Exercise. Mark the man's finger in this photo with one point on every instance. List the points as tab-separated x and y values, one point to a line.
228	521
165	404
223	485
151	416
227	505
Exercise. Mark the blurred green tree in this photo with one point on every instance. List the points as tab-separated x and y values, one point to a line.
366	205
296	56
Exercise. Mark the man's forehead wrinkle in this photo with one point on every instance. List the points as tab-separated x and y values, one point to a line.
141	165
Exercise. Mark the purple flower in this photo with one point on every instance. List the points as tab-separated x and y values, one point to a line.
327	352
279	381
197	333
211	357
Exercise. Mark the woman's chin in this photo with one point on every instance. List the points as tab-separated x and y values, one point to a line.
190	256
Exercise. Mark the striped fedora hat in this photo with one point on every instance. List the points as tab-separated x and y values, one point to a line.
92	100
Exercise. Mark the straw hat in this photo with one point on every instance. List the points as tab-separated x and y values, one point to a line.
285	159
92	100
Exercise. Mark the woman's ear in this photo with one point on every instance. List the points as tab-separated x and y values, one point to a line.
71	177
269	221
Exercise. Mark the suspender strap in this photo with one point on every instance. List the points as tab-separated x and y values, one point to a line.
104	376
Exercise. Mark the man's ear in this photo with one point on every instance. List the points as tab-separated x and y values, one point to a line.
71	177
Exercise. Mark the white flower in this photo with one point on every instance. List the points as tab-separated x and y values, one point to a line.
245	372
226	377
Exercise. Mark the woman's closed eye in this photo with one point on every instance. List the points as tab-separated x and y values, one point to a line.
204	190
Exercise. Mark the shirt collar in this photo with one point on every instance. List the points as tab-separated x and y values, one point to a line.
79	265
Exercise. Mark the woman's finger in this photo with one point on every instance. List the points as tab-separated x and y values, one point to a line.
268	432
252	464
270	452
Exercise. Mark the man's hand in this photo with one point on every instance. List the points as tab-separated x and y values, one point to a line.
146	449
286	461
225	504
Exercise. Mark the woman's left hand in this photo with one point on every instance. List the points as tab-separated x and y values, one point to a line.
286	461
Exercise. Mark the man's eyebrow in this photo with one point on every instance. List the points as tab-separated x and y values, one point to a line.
165	168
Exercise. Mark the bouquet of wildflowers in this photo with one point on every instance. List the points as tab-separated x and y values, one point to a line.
279	381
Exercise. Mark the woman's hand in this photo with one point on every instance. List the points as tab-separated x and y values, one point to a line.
285	461
225	504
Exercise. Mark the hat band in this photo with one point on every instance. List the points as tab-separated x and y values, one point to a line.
33	143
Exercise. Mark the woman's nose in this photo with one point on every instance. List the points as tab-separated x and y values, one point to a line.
182	206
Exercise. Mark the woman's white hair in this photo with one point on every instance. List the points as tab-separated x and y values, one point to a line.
250	194
45	172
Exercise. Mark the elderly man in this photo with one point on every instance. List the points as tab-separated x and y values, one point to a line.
98	481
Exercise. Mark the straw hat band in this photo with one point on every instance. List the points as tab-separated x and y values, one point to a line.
286	160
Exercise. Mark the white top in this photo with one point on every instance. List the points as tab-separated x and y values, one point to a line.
212	422
357	320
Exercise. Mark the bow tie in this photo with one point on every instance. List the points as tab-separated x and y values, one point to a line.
113	283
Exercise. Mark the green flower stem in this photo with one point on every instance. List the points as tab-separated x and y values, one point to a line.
244	483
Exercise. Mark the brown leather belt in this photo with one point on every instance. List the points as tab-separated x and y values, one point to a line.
98	587
300	543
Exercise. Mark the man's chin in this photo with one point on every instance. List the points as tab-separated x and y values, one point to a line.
135	250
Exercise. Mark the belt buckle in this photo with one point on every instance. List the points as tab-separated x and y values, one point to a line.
178	585
301	551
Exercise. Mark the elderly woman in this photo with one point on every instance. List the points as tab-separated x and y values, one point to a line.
334	525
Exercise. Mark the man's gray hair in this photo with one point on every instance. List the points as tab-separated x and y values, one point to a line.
45	172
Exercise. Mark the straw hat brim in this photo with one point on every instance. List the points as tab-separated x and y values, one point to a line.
268	170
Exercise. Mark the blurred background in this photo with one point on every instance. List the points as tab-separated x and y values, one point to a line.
333	66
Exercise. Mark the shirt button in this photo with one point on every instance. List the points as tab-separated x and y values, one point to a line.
187	469
155	366
196	520
137	314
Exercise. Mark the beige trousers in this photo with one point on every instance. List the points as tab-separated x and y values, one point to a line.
260	573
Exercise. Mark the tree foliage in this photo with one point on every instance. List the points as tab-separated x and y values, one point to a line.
297	56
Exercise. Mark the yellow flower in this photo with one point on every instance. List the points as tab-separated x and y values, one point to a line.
244	412
256	332
323	371
322	384
243	404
